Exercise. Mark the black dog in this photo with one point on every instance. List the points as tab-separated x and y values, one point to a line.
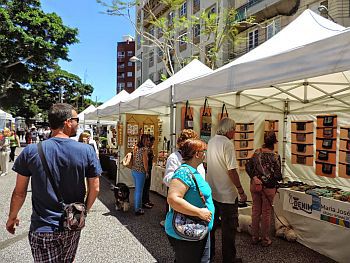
121	194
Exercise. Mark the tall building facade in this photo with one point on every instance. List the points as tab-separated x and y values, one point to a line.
125	67
270	17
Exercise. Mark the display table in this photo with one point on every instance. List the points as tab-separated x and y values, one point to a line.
157	184
321	224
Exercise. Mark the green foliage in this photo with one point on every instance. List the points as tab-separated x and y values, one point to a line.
31	44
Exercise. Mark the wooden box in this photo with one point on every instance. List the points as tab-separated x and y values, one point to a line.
345	132
326	156
344	170
326	132
344	144
303	137
244	144
302	159
329	120
271	125
344	156
244	135
302	126
325	169
244	127
244	154
326	144
301	148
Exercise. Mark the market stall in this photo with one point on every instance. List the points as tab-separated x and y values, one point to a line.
299	75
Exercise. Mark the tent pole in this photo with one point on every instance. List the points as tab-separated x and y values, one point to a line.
284	144
118	149
172	119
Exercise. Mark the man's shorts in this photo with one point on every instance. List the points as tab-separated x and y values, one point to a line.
55	246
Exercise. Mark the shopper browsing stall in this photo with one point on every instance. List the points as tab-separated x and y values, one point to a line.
224	181
140	171
264	169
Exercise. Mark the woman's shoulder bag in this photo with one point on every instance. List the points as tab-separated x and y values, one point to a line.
191	228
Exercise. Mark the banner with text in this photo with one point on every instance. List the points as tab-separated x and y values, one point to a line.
330	210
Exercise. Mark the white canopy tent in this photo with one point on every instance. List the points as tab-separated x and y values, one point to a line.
302	71
97	113
292	65
4	117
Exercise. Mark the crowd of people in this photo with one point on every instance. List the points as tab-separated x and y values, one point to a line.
203	182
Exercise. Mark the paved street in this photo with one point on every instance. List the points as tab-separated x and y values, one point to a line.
104	239
112	236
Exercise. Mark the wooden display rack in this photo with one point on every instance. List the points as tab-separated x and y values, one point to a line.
302	142
244	142
344	152
136	125
326	145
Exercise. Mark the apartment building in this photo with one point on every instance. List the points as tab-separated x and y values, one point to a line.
270	17
125	67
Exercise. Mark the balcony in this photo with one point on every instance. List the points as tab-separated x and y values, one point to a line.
153	7
266	9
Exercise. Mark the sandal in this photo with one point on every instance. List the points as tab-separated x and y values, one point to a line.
256	240
266	243
147	205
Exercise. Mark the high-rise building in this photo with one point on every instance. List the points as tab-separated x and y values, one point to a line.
270	17
125	67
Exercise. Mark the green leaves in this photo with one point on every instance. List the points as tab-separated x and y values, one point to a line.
31	44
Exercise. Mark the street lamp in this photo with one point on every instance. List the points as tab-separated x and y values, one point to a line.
324	9
135	59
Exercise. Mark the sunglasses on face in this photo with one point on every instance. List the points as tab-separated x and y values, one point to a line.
75	118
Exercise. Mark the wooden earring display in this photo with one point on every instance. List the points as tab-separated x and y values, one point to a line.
272	125
244	142
302	142
326	145
344	153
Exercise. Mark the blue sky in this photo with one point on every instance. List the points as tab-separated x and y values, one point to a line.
94	58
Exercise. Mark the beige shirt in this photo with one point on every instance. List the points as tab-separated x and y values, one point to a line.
221	157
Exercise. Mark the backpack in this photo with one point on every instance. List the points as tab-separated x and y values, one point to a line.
128	160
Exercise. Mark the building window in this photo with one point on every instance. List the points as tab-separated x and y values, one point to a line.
159	54
129	74
138	41
121	54
160	74
151	58
121	76
138	81
129	84
196	6
211	10
253	39
183	37
130	53
183	9
273	28
159	32
196	30
122	65
151	76
171	17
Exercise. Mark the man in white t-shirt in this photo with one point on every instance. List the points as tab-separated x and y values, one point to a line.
224	181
